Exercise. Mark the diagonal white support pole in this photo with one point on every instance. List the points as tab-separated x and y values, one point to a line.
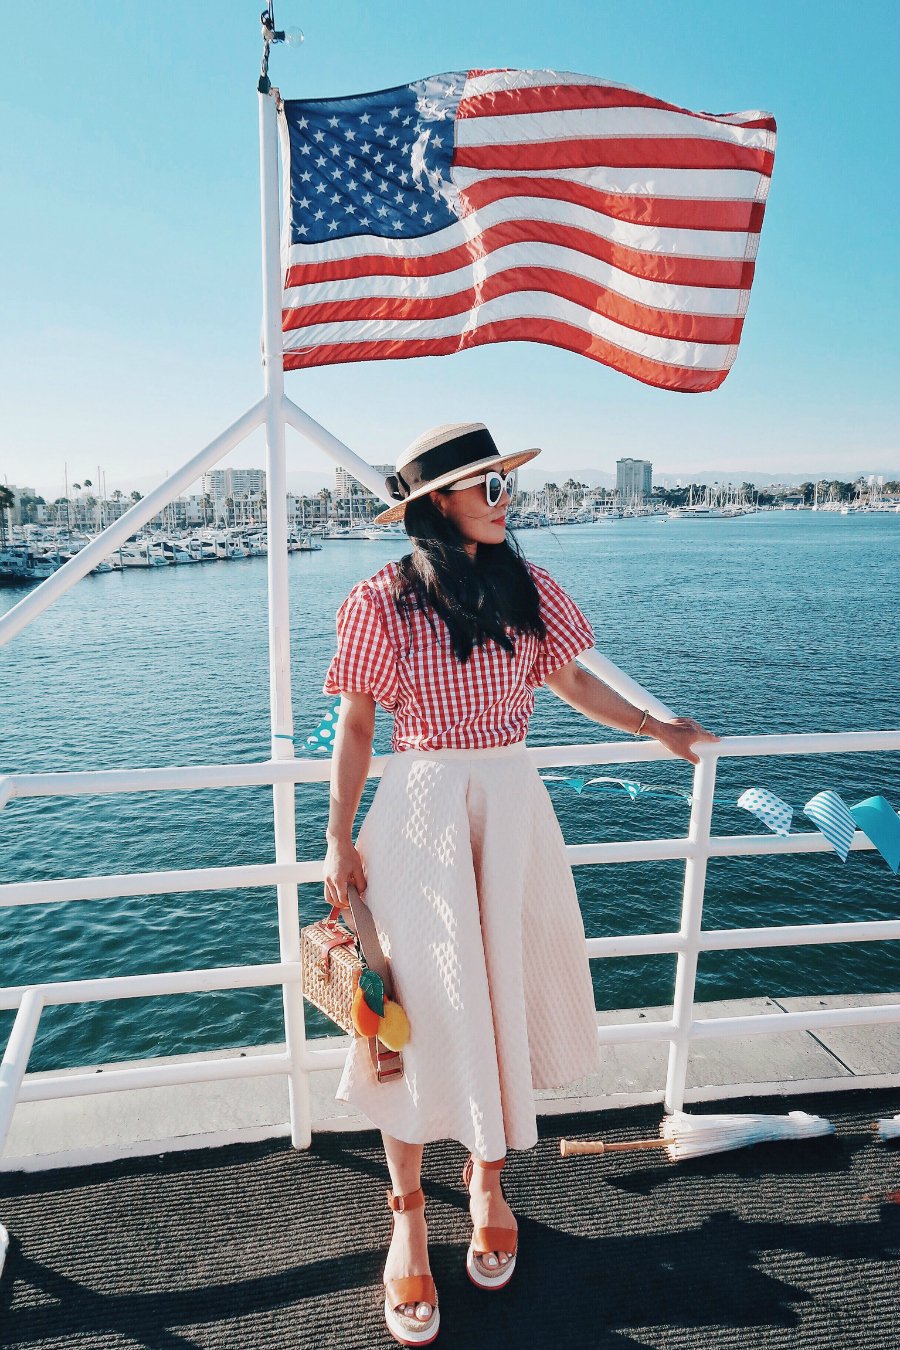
281	714
115	535
623	684
314	432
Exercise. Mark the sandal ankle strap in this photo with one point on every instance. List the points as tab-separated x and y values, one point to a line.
472	1162
399	1204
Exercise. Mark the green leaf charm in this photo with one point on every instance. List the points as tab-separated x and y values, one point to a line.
372	987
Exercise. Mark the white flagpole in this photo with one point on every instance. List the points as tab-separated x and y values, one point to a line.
281	712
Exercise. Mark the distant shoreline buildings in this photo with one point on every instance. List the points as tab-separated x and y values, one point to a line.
236	498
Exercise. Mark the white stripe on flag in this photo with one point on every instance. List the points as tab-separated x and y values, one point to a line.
489	81
726	245
519	305
583	124
698	300
731	185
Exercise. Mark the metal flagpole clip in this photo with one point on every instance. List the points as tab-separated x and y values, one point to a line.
293	37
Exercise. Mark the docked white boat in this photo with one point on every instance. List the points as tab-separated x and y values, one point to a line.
176	552
357	532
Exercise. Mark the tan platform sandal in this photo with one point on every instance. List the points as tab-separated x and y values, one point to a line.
486	1241
411	1289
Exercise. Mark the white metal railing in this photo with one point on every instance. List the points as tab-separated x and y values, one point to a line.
302	1057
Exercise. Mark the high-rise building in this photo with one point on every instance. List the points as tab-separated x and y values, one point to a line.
222	483
243	482
213	484
345	483
634	480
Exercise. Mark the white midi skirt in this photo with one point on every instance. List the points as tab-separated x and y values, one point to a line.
474	902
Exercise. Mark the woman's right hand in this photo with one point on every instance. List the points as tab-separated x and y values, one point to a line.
343	868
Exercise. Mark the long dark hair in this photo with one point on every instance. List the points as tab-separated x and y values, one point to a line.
478	598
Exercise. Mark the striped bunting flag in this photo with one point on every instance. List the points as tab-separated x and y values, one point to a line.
522	205
829	812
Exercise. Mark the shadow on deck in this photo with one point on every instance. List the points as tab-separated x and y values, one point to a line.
260	1247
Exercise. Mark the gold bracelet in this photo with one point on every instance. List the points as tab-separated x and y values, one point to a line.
643	720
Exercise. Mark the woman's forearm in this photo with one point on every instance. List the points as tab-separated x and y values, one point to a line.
350	763
597	701
590	696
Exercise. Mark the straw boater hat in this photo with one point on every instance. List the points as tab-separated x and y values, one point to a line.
442	456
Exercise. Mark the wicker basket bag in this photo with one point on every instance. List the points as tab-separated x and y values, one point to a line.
331	968
332	958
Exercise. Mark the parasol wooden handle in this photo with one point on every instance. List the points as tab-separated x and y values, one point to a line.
569	1146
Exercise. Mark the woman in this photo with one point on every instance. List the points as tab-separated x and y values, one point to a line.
460	857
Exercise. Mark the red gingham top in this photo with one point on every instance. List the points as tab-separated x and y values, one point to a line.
438	702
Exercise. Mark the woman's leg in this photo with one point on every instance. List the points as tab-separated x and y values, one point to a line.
408	1253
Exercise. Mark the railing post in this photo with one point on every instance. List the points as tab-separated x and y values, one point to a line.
281	712
691	922
15	1058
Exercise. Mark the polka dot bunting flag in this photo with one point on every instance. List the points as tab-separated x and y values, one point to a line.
323	736
768	808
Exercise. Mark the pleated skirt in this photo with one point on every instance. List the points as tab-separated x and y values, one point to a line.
474	902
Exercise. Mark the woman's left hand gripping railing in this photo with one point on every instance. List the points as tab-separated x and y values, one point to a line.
12	1070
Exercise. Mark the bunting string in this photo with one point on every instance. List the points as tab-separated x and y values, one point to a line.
874	816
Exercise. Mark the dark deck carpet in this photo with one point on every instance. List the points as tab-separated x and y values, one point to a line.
259	1247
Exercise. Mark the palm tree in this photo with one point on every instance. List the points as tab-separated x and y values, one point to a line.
7	502
29	505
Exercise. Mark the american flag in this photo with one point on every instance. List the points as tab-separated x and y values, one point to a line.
522	205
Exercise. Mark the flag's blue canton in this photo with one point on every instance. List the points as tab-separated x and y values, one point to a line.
373	164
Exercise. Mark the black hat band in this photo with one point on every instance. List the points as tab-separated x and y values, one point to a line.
430	465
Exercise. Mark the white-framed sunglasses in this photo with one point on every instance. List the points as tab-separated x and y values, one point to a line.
495	484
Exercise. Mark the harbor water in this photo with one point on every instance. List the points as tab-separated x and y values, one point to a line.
779	622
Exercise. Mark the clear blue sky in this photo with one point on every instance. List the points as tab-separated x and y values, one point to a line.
129	239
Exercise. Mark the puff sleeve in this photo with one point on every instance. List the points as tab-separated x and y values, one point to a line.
568	631
364	662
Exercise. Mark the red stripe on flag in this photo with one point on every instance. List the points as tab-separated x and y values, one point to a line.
661	323
665	212
618	152
551	333
725	273
572	97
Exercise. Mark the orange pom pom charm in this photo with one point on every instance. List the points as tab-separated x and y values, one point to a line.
364	1019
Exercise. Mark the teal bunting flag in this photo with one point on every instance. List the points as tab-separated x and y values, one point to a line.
877	819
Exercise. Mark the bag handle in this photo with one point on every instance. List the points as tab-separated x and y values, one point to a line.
368	939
